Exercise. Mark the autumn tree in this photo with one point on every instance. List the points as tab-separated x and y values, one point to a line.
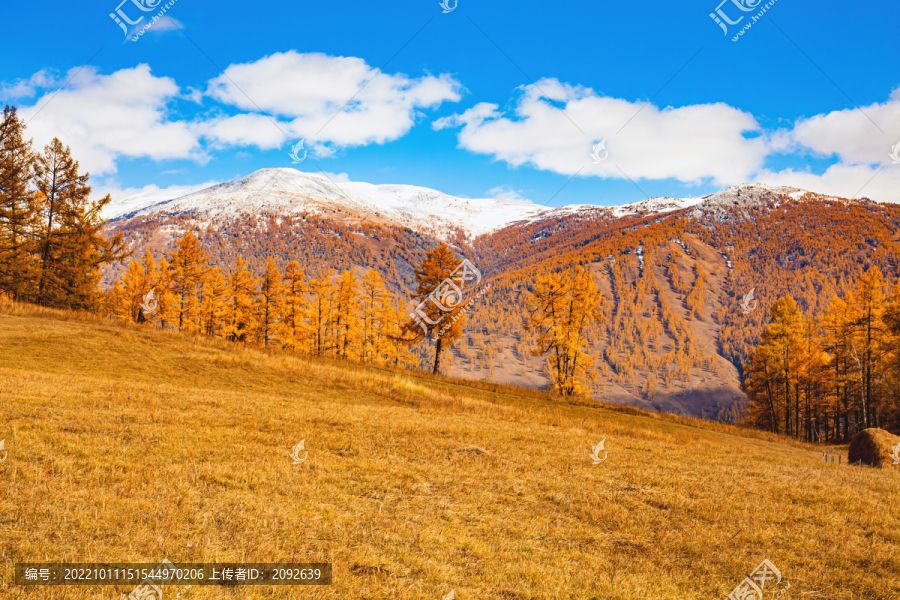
346	317
295	330
439	314
869	339
271	305
836	343
560	308
213	307
240	312
135	285
697	296
322	290
165	298
188	266
377	314
69	242
18	209
776	364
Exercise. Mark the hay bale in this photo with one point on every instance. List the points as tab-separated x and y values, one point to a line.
873	446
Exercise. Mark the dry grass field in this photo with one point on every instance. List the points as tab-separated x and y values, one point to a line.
133	445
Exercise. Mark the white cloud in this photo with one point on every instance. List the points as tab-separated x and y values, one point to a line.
195	96
337	177
863	164
853	134
506	192
126	114
243	130
843	181
306	90
26	88
105	117
166	23
691	143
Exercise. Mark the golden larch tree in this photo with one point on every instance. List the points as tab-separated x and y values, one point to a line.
240	314
271	305
188	266
295	329
560	309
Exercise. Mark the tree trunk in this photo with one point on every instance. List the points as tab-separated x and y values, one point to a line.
437	356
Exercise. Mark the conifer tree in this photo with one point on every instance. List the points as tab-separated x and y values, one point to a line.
240	324
377	315
116	304
214	305
560	309
346	317
18	209
295	330
441	322
69	242
322	291
776	364
397	353
151	275
271	305
836	335
697	296
135	284
165	297
188	268
870	301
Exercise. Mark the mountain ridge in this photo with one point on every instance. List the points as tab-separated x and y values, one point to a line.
285	191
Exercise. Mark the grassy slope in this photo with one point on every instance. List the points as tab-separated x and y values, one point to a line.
134	445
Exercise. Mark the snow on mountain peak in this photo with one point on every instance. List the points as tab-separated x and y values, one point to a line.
288	191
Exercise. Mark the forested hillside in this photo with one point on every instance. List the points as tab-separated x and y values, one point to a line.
675	336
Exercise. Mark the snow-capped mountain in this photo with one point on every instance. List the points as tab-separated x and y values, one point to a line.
290	192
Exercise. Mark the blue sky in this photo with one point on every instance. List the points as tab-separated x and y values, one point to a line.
489	99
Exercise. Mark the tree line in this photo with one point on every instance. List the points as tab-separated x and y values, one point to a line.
335	315
826	377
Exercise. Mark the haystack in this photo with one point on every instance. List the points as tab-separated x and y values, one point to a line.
873	446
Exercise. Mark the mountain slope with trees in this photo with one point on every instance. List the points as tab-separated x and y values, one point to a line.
685	288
